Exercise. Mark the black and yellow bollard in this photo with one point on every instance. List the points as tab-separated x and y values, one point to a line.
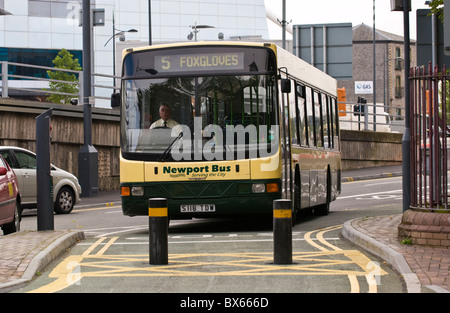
158	231
282	231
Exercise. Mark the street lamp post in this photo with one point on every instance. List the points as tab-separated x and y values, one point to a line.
406	141
374	73
120	32
386	63
88	155
150	22
405	7
195	29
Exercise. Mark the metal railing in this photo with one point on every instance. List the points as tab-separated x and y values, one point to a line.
385	119
384	122
6	82
44	89
429	89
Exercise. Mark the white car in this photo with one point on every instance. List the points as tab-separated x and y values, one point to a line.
66	188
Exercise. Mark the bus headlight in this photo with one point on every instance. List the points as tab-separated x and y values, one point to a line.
258	188
137	191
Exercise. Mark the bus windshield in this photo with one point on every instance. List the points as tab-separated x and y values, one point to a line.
198	118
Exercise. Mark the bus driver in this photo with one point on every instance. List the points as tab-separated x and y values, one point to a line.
165	120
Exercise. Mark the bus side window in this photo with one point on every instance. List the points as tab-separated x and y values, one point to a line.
301	113
293	120
310	118
325	121
331	121
335	123
318	121
331	131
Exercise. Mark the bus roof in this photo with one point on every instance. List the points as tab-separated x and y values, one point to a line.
198	43
305	72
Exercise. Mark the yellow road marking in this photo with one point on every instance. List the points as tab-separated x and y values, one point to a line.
329	260
106	247
357	258
107	207
91	248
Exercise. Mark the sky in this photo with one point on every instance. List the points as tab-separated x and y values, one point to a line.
343	11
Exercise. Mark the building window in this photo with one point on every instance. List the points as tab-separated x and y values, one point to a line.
398	87
398	61
41	57
51	8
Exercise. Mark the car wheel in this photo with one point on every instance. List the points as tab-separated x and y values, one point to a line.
15	224
65	201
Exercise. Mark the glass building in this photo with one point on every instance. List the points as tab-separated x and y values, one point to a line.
37	29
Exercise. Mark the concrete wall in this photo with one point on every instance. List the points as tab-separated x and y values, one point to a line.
366	149
18	128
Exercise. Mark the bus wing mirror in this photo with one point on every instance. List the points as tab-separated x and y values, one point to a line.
115	100
285	85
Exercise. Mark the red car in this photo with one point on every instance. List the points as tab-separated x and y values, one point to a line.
9	199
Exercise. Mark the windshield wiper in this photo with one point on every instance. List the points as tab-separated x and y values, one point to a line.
163	156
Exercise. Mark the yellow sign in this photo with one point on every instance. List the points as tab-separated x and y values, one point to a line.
11	189
197	171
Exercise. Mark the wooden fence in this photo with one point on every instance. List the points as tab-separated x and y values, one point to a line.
18	128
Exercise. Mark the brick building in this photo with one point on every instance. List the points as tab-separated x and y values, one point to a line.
389	68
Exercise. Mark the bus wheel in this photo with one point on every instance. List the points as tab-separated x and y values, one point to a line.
296	208
322	209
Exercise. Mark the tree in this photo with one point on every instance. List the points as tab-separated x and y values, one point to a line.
437	7
64	60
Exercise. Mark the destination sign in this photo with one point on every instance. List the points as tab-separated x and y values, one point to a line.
199	62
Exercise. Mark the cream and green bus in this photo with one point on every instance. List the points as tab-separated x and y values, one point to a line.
224	128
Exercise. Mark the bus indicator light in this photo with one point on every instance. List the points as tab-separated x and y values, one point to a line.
272	187
125	191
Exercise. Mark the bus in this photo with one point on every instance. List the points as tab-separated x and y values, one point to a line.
245	124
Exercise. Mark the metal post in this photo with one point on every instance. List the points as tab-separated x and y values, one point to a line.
282	231
88	155
283	25
4	79
325	54
374	73
45	220
158	231
87	70
114	52
406	140
149	22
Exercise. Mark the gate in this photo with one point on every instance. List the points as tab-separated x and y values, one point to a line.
430	133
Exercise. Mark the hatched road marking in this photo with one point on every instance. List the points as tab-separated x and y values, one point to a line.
328	260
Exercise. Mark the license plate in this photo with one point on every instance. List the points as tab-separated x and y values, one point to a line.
188	208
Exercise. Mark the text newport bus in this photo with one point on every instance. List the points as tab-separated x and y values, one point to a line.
223	128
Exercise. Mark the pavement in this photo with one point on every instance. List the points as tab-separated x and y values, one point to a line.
425	269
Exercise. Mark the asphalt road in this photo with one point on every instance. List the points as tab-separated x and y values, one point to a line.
224	255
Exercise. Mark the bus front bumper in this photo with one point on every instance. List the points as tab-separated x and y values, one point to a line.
203	199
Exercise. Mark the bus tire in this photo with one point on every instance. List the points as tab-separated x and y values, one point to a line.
296	209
